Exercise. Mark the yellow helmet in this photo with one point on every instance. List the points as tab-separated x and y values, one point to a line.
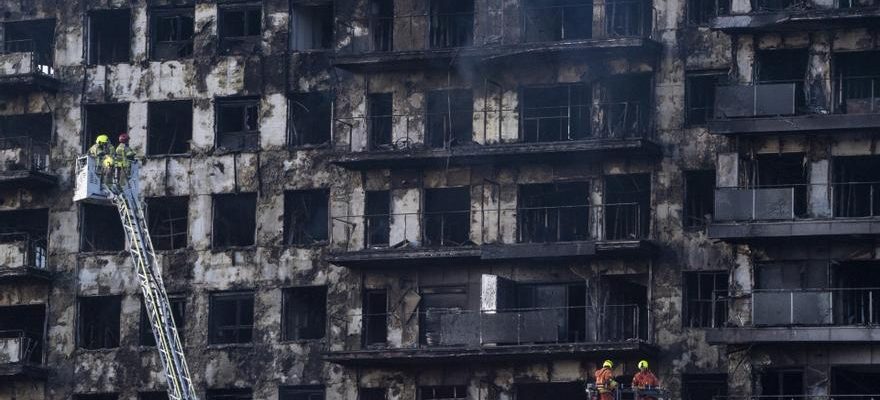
643	364
607	364
101	139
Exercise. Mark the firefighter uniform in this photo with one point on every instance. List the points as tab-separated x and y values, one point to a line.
605	383
645	379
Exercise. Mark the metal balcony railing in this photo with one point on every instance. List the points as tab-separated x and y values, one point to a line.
41	61
20	249
23	153
558	22
812	307
790	202
406	32
469	329
609	222
19	346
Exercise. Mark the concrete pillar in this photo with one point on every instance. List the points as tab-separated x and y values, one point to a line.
727	170
744	58
819	191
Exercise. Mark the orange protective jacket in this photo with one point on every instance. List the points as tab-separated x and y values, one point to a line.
645	378
604	380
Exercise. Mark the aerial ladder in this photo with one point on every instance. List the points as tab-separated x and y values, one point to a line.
123	193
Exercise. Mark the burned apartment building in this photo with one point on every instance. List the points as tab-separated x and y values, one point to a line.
446	199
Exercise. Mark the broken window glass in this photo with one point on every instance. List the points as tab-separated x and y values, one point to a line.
229	394
99	322
447	217
169	127
442	392
555	20
305	312
312	26
624	110
231	318
26	323
310	115
302	392
167	219
377	220
178	311
234	220
556	113
627	206
306	217
702	12
699	198
452	23
380	120
109	36
238	124
101	229
705	294
240	27
375	317
449	119
172	33
700	97
36	36
104	119
554	212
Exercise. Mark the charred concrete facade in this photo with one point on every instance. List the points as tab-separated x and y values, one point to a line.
413	199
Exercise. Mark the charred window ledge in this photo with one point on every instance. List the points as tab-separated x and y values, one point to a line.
24	274
835	334
230	346
24	371
797	20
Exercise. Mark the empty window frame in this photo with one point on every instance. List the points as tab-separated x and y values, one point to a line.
782	382
382	25
556	113
375	318
99	322
780	171
234	220
229	394
312	26
169	127
153	396
104	119
96	396
452	23
624	110
446	220
627	18
700	97
627	207
310	118
171	33
702	12
109	36
856	186
546	21
703	386
238	124
449	118
101	229
306	217
377	218
554	212
372	393
380	118
541	391
302	392
856	81
435	306
24	235
167	219
783	66
27	323
304	313
444	392
36	36
178	311
231	318
240	27
705	294
699	198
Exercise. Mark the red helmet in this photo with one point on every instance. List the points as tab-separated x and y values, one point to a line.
123	138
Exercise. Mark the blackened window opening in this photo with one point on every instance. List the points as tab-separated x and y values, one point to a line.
99	322
435	306
305	217
377	219
104	119
700	97
37	37
856	82
625	110
96	396
554	20
153	396
627	18
302	392
312	26
28	135
169	127
856	186
446	220
28	231
554	212
305	313
702	12
699	198
109	36
372	393
381	120
782	382
178	311
542	391
310	115
229	394
861	304
782	171
452	23
238	124
171	34
627	206
375	317
240	27
775	5
788	66
234	220
449	119
26	324
382	24
442	392
705	294
231	318
101	229
167	219
703	386
556	113
566	302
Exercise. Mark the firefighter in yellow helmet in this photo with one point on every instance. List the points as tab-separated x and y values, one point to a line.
605	383
102	152
123	157
645	379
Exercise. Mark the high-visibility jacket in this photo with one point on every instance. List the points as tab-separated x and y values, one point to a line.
124	155
98	151
645	378
605	381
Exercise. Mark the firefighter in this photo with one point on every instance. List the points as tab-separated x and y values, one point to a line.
102	152
123	157
605	383
645	379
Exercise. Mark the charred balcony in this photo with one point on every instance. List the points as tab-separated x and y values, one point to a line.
24	151
23	246
800	15
26	59
22	343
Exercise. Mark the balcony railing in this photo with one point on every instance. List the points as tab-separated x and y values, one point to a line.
40	61
468	329
19	249
558	22
406	32
816	307
19	346
23	153
609	222
789	202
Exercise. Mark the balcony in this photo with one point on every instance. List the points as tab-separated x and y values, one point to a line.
808	315
482	235
800	15
527	334
23	67
797	106
546	134
21	355
22	258
25	162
